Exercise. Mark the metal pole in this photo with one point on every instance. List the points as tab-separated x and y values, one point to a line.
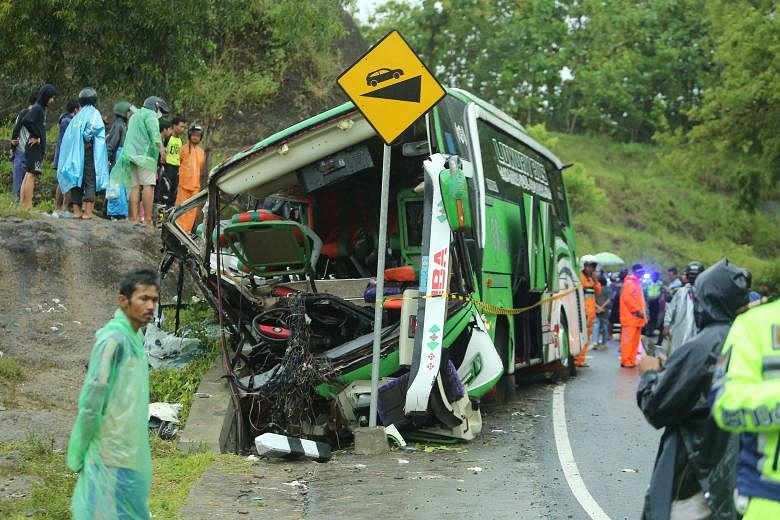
380	285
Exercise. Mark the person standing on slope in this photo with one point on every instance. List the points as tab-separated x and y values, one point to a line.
34	122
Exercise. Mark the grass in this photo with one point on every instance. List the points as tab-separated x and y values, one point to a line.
173	475
11	372
629	199
179	386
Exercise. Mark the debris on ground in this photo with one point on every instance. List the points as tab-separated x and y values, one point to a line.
165	350
164	419
275	445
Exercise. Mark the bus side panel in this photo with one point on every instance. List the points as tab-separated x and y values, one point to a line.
503	243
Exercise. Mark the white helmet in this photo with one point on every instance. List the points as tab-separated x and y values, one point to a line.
587	259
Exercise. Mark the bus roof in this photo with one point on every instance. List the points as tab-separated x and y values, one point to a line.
314	138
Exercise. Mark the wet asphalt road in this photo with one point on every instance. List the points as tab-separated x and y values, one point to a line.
512	470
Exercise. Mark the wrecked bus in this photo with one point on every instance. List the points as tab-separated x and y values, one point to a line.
479	281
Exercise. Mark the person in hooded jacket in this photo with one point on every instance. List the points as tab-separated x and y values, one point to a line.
82	169
34	122
116	208
71	109
18	142
695	468
679	320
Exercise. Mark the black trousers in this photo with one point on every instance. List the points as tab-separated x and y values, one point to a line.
85	192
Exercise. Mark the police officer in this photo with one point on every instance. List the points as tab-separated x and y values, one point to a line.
746	390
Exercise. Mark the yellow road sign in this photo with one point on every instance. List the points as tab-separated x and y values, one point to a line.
391	86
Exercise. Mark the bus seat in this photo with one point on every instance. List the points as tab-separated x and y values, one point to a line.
270	247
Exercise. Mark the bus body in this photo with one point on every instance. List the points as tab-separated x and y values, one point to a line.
480	278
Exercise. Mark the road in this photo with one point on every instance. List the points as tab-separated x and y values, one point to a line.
513	470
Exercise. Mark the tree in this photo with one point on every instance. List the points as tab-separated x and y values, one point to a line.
738	123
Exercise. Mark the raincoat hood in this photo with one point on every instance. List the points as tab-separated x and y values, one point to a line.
45	94
720	291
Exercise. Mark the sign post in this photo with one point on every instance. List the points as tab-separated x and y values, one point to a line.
392	88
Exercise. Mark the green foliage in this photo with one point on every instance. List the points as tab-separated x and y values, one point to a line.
10	371
173	475
52	481
627	199
737	122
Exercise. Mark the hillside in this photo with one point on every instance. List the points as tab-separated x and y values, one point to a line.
629	199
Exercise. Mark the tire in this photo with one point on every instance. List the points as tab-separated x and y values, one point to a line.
373	83
505	387
396	75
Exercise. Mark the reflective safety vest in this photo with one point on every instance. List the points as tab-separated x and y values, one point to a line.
654	290
746	393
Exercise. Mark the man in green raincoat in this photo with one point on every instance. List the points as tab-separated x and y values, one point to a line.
136	169
109	445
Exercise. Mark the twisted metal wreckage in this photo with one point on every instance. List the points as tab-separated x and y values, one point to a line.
287	257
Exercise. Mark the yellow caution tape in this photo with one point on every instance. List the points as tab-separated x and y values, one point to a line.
487	307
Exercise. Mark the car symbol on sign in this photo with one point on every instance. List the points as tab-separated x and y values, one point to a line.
384	74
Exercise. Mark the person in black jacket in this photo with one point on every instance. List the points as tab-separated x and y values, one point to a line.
695	468
35	123
17	148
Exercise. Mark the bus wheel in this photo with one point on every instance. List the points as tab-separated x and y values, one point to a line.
505	388
566	366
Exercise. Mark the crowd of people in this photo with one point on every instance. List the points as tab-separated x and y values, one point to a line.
714	385
142	159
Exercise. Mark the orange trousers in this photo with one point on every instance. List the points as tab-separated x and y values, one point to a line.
580	359
629	344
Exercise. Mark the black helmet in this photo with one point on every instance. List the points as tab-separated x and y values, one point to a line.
693	269
157	104
88	96
193	129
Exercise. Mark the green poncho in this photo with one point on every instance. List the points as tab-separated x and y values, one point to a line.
141	146
109	445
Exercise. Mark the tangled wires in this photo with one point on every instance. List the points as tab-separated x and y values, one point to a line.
288	400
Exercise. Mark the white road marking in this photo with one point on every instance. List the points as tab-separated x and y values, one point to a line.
566	458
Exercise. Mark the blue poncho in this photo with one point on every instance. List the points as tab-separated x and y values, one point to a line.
86	126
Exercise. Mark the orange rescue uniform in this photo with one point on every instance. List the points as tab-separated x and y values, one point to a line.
632	319
591	288
192	159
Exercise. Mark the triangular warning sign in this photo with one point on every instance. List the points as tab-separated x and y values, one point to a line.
407	90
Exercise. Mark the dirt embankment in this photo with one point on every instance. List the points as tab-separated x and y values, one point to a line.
58	281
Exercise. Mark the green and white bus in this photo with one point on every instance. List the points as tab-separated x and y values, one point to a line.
481	278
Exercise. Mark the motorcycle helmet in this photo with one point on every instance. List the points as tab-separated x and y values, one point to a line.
692	270
88	96
157	104
193	129
587	259
121	108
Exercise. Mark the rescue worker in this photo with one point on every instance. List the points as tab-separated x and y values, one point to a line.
591	289
693	476
632	316
746	393
109	445
654	292
192	160
679	321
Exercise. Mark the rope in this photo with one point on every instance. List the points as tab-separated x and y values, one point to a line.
486	307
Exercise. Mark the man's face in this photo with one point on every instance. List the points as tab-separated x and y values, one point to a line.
140	307
672	275
589	268
639	272
178	128
195	137
167	133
